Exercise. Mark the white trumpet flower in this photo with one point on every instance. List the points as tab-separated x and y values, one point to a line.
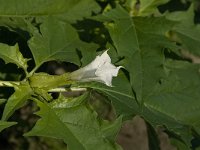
100	69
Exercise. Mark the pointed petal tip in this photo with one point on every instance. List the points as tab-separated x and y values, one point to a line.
106	51
109	84
121	67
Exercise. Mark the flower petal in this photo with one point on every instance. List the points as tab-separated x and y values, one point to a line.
100	60
100	69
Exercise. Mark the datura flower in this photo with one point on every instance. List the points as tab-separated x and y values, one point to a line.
100	69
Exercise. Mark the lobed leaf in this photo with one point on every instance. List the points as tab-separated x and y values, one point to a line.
17	99
142	46
57	41
177	98
122	97
78	126
11	54
187	32
144	7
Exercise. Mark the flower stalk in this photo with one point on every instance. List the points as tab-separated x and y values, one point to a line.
59	89
8	83
100	70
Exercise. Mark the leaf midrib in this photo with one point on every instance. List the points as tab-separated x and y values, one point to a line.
108	90
64	126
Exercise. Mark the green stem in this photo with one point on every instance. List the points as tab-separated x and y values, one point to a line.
9	83
47	82
32	72
60	89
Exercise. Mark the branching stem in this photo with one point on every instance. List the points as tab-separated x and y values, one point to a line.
8	83
60	89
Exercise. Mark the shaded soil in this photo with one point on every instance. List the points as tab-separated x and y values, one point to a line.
133	136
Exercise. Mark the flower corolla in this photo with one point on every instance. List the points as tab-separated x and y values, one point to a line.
100	69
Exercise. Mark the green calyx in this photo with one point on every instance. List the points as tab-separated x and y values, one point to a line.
46	82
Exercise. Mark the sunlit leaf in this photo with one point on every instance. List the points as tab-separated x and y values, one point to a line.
17	100
144	7
11	54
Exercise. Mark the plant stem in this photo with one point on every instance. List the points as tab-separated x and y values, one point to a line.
60	89
32	72
8	83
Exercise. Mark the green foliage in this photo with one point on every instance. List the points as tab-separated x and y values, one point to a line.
2	101
117	94
149	6
78	126
144	7
180	90
188	33
71	10
46	82
142	46
17	100
58	41
11	54
5	124
156	82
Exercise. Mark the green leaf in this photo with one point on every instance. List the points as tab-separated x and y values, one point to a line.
58	41
17	99
88	51
187	32
141	44
46	82
11	54
17	17
148	7
154	142
175	102
145	7
181	87
5	124
63	102
15	23
111	129
122	97
71	10
79	10
78	126
179	145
